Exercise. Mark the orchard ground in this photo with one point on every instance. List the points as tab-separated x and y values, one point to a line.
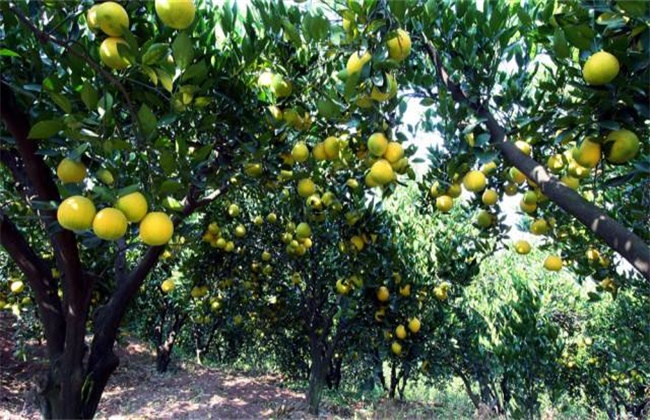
194	391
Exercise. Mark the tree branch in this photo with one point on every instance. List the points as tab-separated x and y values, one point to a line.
39	278
626	243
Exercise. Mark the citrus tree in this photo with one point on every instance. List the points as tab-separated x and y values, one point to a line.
545	99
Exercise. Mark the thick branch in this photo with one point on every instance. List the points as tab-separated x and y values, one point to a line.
39	278
626	243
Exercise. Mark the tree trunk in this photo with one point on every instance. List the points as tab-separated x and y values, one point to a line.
317	374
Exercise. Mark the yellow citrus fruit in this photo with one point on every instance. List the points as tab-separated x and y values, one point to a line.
444	203
490	197
484	219
414	325
523	147
539	227
577	170
436	190
526	207
134	206
517	176
306	187
553	263
488	168
17	286
111	18
271	218
156	229
377	144
588	154
474	181
396	348
454	190
356	62
510	188
383	294
621	146
570	182
167	285
70	171
303	231
394	152
76	213
300	152
280	86
381	172
555	163
110	55
600	68
240	231
178	14
399	45
400	332
358	243
331	145
530	197
233	210
105	176
319	151
522	247
109	224
91	17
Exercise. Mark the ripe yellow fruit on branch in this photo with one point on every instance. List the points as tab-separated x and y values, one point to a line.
601	68
522	247
553	263
76	213
400	332
414	325
178	14
621	146
587	154
110	55
381	172
383	294
156	229
111	18
377	144
490	197
523	147
109	224
319	152
396	348
331	148
444	203
394	152
167	286
300	152
306	187
134	206
303	231
17	286
474	181
356	62
399	45
70	171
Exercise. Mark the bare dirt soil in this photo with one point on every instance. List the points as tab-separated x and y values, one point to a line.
136	390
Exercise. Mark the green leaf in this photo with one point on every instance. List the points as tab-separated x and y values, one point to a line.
292	32
147	120
4	52
155	53
196	71
45	129
398	7
62	102
579	36
183	50
172	204
128	190
169	186
328	109
76	153
202	153
89	96
560	45
636	8
165	80
167	162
